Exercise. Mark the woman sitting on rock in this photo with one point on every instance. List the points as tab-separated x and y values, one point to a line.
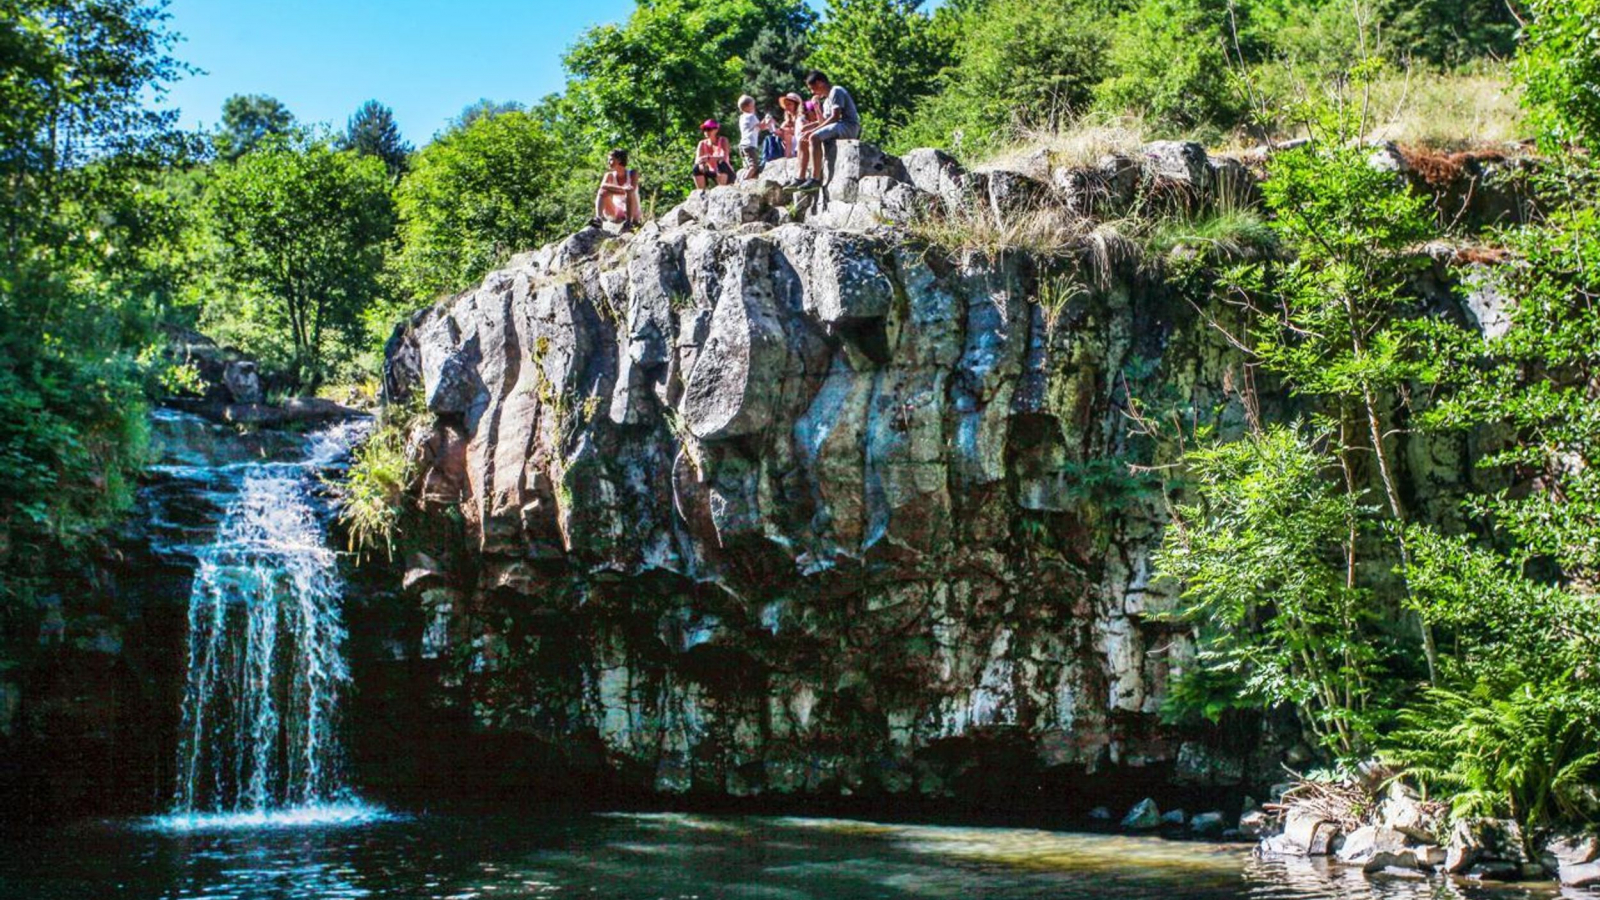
618	197
711	157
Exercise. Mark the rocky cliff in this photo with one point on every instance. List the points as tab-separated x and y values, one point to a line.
774	497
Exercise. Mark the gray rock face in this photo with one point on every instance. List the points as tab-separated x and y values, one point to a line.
789	507
243	381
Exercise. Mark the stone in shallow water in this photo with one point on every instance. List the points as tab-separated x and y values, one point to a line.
1144	816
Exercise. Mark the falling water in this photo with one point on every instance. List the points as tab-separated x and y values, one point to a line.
259	738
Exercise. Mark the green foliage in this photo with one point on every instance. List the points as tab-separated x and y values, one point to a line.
1559	63
673	64
1449	32
1019	64
1172	67
247	120
302	232
1263	555
472	198
1527	749
374	494
373	132
775	65
885	53
77	152
1536	381
483	108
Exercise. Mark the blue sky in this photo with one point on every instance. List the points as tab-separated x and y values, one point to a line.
425	58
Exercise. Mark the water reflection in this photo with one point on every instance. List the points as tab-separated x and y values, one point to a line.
672	856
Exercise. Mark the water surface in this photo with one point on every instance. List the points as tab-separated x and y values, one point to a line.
648	856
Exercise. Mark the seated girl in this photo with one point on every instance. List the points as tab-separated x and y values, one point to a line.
618	197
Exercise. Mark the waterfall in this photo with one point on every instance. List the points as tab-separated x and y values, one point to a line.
266	671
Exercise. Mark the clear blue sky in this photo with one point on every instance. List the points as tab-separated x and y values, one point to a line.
425	58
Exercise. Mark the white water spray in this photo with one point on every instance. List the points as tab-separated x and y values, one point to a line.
259	739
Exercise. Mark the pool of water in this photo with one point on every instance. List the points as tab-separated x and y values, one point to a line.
668	856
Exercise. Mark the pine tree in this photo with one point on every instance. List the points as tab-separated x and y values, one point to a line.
372	132
775	65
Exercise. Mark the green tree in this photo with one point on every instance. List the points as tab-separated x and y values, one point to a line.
373	132
1559	64
78	151
1262	553
483	108
672	64
248	119
1021	65
775	65
1171	63
472	198
1449	32
885	53
303	232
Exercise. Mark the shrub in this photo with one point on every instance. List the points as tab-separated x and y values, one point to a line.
1170	64
373	495
1559	63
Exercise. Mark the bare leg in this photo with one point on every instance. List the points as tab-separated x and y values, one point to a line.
699	181
816	157
599	204
803	153
634	215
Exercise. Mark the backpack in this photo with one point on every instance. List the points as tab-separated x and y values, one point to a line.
771	147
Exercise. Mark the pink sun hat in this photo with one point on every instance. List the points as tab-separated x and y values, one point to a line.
710	124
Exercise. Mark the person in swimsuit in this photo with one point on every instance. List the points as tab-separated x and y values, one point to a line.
711	157
789	129
617	200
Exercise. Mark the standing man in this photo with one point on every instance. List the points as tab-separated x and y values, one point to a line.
839	121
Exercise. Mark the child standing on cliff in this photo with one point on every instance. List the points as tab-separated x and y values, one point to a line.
750	127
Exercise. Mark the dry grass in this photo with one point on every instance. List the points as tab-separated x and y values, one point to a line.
1448	111
1083	143
973	230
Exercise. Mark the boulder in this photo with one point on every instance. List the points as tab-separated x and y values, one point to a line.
1257	823
937	173
1475	840
1100	814
850	161
243	381
1207	823
1144	816
1403	811
1376	847
1306	833
1180	164
1174	817
1574	858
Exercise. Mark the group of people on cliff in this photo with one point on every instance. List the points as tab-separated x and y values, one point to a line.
806	126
